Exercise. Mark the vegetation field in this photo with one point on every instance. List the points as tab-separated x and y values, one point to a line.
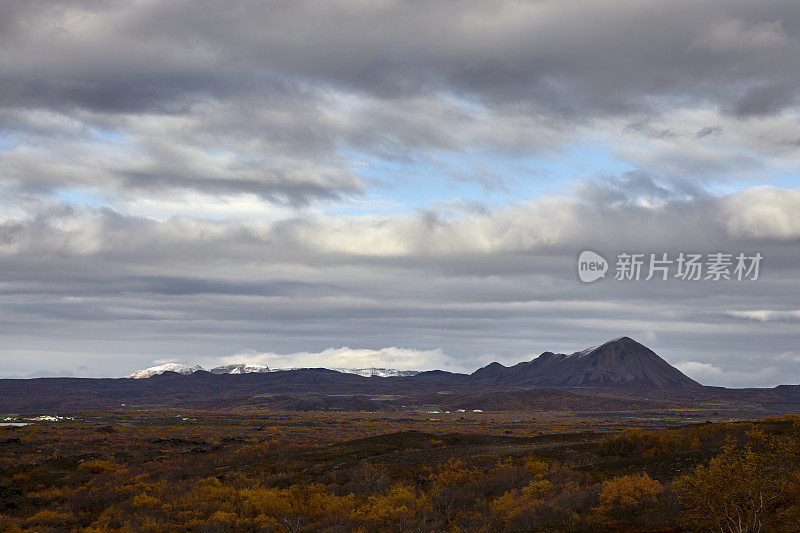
414	471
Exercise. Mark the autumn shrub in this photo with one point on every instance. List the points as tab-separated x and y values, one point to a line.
146	501
506	475
96	467
789	417
51	519
536	467
626	498
451	491
635	442
712	437
110	518
367	479
401	506
539	506
746	488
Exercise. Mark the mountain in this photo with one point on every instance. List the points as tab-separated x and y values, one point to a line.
619	375
621	362
248	368
378	372
178	368
240	368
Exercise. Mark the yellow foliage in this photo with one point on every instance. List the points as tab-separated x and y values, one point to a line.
453	473
221	517
308	500
145	500
634	441
98	466
536	467
756	486
400	502
150	525
790	417
266	501
212	489
52	493
625	492
46	517
266	522
537	488
508	506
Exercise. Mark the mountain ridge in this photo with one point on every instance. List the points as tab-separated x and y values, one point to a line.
621	372
618	362
251	368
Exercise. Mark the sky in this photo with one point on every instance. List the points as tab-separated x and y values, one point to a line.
395	184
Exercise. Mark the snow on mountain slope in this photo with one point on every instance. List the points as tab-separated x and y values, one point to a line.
240	368
167	367
377	372
247	368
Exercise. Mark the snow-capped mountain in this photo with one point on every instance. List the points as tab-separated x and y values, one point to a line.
167	367
248	368
240	368
377	372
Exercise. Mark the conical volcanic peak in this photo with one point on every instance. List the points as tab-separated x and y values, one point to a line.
618	362
621	361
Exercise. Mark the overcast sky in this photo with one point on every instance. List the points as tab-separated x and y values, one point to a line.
400	184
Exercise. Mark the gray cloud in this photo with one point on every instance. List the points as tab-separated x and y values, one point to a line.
766	99
170	175
272	98
497	284
766	315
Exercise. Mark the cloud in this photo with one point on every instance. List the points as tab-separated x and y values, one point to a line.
734	35
180	182
281	101
762	212
790	356
766	99
477	285
45	374
764	315
613	214
709	374
392	357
